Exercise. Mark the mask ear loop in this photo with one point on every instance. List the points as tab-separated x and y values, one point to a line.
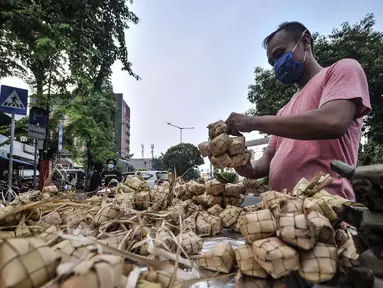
296	45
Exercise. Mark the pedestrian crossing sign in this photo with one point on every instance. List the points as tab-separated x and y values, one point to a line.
13	100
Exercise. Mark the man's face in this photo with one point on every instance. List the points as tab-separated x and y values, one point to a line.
281	43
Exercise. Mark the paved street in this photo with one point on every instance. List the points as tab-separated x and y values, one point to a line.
250	200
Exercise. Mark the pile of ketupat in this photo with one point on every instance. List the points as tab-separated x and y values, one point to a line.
50	239
222	150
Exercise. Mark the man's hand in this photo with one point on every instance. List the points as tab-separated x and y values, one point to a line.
237	123
247	171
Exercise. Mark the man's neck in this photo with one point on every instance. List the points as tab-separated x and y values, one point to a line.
313	69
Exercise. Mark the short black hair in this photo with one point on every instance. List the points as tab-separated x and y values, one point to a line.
98	166
295	29
114	161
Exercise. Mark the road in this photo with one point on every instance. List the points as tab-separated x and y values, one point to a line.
250	200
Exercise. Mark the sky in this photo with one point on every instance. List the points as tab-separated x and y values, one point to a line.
196	60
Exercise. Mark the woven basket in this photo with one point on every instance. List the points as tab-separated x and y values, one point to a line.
214	187
26	262
215	210
220	144
195	188
322	226
237	160
108	212
247	264
160	277
293	229
215	222
220	258
204	149
275	257
234	190
320	206
318	264
221	161
347	253
230	215
71	250
142	200
101	271
210	200
237	146
236	227
272	199
191	243
137	183
217	128
203	228
258	225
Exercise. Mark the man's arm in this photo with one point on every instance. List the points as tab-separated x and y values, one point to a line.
331	121
259	168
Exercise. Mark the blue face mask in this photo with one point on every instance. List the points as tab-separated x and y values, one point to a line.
287	69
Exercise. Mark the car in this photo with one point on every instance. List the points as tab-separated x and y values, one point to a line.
151	177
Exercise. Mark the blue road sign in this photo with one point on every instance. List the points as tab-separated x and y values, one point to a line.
38	117
13	100
60	140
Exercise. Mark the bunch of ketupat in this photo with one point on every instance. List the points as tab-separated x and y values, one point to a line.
222	150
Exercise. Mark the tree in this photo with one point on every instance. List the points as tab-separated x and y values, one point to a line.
158	163
182	157
359	41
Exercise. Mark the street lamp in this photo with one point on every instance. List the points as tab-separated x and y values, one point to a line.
180	128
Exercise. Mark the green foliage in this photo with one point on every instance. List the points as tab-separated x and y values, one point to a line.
359	41
226	177
182	157
141	169
158	163
192	174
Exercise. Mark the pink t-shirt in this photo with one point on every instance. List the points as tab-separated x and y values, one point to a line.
295	159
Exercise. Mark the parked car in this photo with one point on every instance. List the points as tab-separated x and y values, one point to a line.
151	177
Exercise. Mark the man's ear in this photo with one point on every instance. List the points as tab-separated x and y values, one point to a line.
306	42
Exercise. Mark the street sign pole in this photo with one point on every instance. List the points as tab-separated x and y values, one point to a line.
10	167
35	165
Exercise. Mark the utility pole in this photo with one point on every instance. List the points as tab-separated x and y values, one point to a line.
181	129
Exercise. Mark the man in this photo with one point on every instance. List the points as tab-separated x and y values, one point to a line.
321	122
111	172
95	178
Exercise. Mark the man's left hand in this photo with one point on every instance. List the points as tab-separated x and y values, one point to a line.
237	123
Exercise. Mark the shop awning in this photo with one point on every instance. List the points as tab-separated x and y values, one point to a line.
20	162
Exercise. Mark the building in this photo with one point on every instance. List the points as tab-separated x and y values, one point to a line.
257	147
141	163
122	126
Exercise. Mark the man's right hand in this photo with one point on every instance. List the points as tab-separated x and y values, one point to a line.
247	171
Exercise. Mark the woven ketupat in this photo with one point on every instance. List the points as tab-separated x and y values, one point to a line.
294	206
320	206
318	264
142	200
347	253
161	277
212	200
214	187
191	243
204	148
100	271
215	222
324	231
164	239
220	258
237	146
237	160
221	161
26	262
52	218
116	240
179	190
275	257
215	210
237	225
258	225
108	212
217	128
203	228
247	264
190	224
234	190
50	236
248	154
220	144
271	199
195	188
71	217
71	250
136	182
122	188
230	215
293	229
